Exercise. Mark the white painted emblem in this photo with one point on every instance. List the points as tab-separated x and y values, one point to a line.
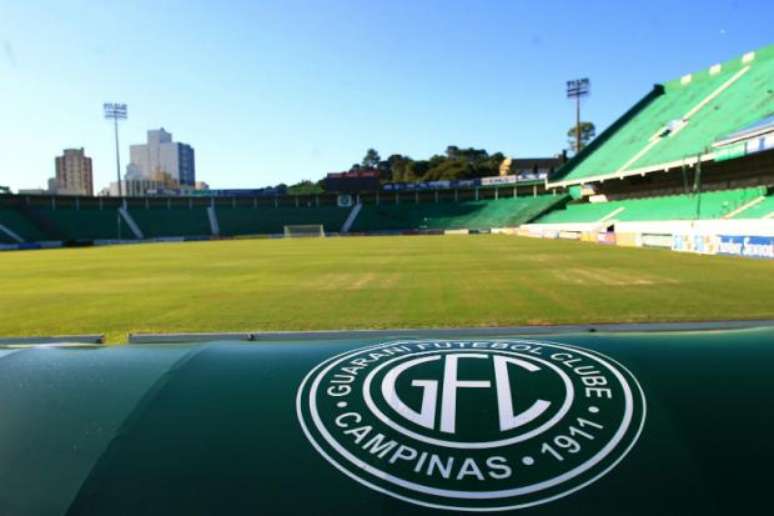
472	425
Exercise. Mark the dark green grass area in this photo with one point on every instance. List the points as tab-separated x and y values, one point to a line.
377	282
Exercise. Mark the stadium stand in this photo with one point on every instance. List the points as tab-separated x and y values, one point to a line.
508	212
678	121
66	219
7	239
272	220
20	225
84	224
696	152
763	209
161	222
707	205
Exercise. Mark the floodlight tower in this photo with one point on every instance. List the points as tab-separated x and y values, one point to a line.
116	112
576	89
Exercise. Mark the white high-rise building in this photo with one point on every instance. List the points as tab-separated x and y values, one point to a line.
161	156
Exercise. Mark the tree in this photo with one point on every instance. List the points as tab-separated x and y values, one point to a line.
587	133
416	170
397	166
371	159
306	187
455	163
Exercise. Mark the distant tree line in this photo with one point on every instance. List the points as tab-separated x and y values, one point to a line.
455	163
306	187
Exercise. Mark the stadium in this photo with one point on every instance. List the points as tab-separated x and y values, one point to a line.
638	276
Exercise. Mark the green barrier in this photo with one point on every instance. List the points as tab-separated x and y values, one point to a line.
646	423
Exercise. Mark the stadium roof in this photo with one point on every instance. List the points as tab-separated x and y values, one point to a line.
677	123
216	428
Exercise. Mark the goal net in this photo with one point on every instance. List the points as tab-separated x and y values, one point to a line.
304	230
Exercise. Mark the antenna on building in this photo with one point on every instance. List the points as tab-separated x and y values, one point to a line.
116	112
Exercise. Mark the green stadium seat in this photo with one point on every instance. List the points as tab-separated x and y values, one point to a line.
172	222
707	205
21	225
85	223
763	209
715	104
508	212
271	220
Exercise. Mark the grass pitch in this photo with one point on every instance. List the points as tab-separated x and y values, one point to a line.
378	282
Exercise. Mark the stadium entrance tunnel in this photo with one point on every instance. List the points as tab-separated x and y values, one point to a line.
583	423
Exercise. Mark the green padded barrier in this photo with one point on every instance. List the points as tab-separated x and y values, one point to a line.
270	220
598	424
78	400
507	212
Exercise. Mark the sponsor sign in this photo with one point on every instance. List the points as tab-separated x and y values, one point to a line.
691	243
750	246
606	238
505	231
472	425
528	232
498	180
760	144
657	240
628	239
750	146
241	192
570	235
344	201
460	183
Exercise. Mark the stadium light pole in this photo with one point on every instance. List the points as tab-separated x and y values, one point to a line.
576	89
116	112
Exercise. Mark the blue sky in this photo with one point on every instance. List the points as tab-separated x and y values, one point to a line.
279	91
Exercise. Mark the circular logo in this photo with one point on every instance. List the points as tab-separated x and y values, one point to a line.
472	425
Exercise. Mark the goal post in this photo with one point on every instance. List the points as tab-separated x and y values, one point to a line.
304	230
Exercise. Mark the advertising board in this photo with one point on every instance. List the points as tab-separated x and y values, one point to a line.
749	246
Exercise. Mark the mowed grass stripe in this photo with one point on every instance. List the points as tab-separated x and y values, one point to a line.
361	283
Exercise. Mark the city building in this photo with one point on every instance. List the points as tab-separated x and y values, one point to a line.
73	174
33	191
160	156
146	187
531	168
